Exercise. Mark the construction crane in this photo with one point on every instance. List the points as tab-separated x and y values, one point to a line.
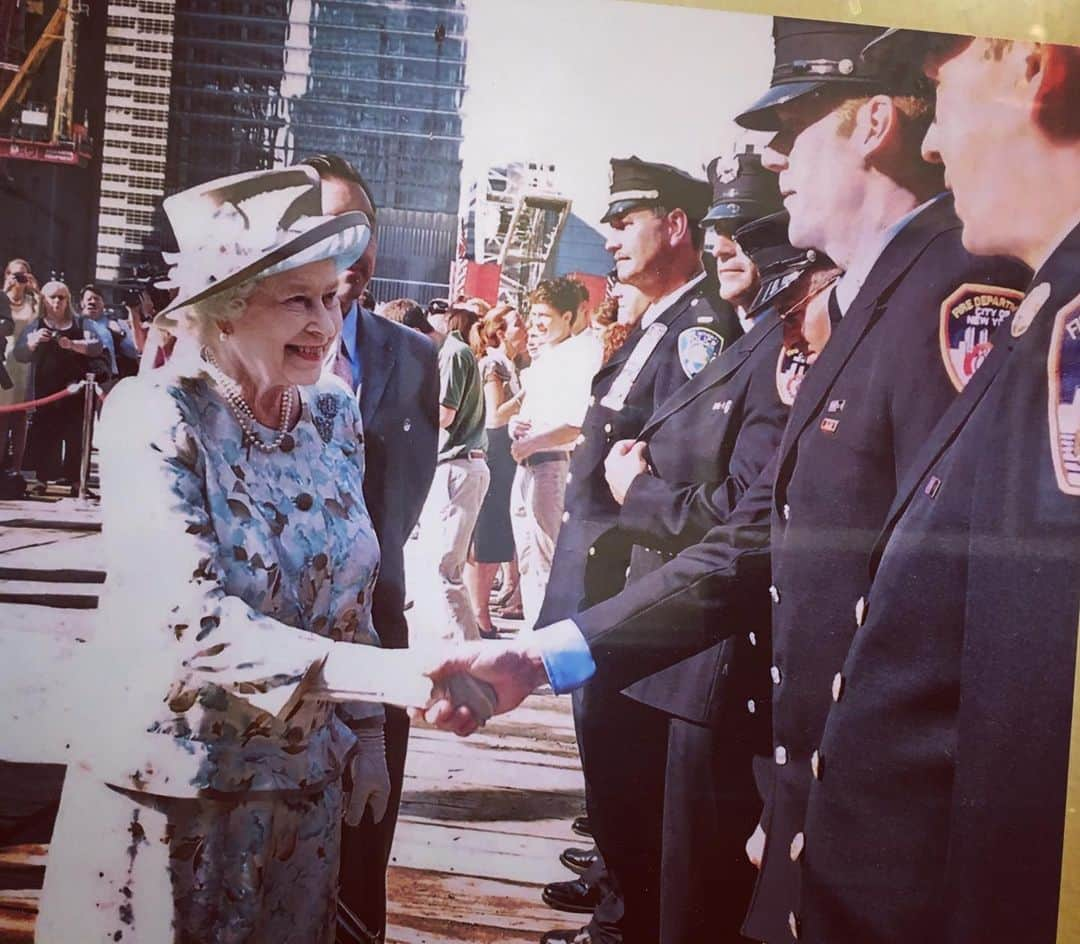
31	133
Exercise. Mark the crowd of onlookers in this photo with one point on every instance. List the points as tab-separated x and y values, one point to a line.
51	338
514	388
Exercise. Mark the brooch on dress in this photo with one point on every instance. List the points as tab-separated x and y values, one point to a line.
327	406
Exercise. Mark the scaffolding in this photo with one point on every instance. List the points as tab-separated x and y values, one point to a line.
517	216
27	130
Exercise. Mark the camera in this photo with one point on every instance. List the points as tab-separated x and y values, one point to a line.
21	278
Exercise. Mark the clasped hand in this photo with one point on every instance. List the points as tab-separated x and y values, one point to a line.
623	464
474	680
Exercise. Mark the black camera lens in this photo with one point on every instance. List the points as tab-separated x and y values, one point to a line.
21	278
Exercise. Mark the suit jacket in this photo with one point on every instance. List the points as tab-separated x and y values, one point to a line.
950	740
862	413
590	511
399	404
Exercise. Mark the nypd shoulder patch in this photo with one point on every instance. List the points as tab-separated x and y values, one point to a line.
969	317
1063	372
698	346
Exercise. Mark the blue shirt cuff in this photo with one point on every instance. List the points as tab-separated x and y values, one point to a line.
565	653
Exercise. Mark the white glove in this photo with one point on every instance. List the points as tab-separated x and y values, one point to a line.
370	779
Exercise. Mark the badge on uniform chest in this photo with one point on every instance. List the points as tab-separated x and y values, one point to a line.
1063	373
698	346
969	317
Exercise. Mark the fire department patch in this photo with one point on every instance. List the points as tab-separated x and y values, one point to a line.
698	346
1063	371
969	317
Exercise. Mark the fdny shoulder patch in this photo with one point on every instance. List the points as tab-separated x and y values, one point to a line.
698	346
969	317
1063	371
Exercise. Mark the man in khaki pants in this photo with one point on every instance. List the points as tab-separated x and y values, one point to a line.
555	397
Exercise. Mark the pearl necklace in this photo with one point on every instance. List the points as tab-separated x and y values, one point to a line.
245	416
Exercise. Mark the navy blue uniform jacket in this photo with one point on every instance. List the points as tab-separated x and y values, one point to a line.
939	812
590	511
862	413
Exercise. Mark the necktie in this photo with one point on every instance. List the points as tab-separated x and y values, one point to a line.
343	366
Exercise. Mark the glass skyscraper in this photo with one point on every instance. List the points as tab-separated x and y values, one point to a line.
262	83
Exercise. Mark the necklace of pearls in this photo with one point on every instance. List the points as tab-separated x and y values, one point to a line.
245	416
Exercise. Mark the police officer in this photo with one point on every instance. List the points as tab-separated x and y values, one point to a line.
847	152
939	808
654	214
695	457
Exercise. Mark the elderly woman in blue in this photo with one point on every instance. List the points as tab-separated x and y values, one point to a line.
204	797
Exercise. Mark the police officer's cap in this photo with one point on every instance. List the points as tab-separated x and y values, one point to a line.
754	192
636	183
812	56
779	263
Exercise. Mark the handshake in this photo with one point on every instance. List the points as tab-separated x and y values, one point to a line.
473	681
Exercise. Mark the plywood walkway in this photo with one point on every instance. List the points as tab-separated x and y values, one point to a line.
482	820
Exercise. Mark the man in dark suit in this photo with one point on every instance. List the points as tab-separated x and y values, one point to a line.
395	374
654	214
944	808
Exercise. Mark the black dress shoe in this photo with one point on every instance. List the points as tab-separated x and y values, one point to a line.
581	826
579	860
573	936
575	896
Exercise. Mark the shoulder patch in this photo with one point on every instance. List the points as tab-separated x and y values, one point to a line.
1063	373
969	317
698	346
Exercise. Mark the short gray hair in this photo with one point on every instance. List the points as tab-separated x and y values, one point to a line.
200	320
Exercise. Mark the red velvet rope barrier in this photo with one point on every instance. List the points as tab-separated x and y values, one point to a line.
68	391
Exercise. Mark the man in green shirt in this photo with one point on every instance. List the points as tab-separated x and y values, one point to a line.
461	475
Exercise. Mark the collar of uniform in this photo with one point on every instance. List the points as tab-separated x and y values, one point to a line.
852	280
1062	267
1069	236
657	308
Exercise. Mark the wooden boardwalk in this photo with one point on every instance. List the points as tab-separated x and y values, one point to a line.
482	821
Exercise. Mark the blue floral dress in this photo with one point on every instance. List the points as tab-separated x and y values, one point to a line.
203	799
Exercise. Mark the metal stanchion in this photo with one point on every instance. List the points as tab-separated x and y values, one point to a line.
87	433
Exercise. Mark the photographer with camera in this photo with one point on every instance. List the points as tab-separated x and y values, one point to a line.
20	292
60	348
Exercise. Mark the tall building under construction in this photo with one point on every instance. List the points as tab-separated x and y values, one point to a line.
202	88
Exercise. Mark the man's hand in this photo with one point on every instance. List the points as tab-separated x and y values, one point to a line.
521	449
512	669
518	428
755	846
624	463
